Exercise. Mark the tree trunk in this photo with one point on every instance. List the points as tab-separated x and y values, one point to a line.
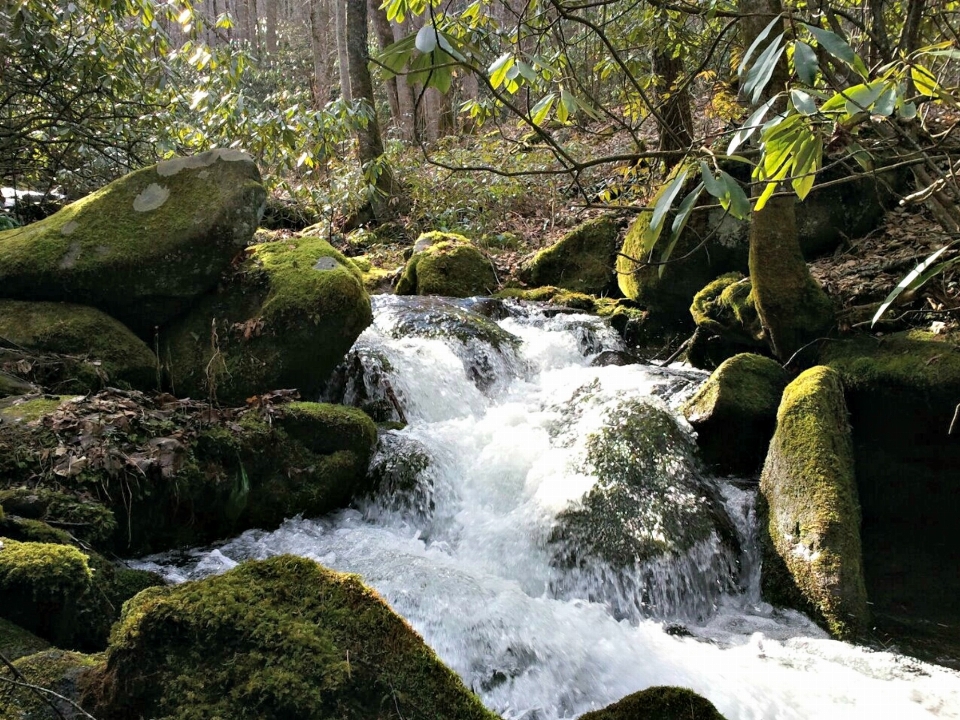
910	37
793	309
369	142
381	27
271	30
676	128
319	26
343	62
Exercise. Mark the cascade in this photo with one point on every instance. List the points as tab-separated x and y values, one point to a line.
542	522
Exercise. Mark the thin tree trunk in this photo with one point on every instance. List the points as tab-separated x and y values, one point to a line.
271	29
343	63
319	27
405	97
910	36
676	128
880	41
381	27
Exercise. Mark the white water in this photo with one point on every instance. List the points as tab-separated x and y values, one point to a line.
473	575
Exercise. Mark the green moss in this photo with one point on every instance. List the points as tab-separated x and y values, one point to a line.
553	295
141	267
15	642
24	530
446	264
811	528
740	400
56	670
582	261
727	322
282	638
87	519
123	359
29	410
898	361
325	428
284	319
658	703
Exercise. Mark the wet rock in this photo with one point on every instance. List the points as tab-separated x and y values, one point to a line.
808	510
336	650
400	472
143	248
658	703
55	670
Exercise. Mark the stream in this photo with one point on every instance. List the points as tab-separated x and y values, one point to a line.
466	538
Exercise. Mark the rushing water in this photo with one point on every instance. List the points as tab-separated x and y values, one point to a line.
499	435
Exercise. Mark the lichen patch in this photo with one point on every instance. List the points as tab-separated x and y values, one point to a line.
152	197
68	228
71	256
326	263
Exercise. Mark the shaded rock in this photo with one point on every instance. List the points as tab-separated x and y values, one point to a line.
362	381
175	472
808	510
735	413
658	703
15	642
56	670
120	358
143	248
726	322
582	261
13	385
335	648
400	471
87	519
446	264
284	317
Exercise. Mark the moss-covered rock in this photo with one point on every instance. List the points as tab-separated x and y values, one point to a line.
174	473
658	703
87	519
15	642
726	322
122	359
283	318
40	586
735	412
582	261
143	248
446	264
283	638
12	385
809	511
28	408
553	295
55	670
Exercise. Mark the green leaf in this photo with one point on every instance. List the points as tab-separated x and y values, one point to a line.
908	111
749	127
735	200
803	102
924	81
713	185
887	102
755	44
860	98
541	110
568	103
806	164
426	39
832	43
917	277
660	210
805	62
498	71
679	223
762	71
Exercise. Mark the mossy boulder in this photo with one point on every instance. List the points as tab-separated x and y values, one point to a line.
446	264
27	408
282	638
12	385
582	261
902	392
15	642
177	472
735	412
87	519
553	295
658	703
61	672
809	512
41	585
726	320
121	358
143	248
283	318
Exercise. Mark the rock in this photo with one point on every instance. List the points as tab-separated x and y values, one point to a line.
143	248
582	261
827	217
15	642
40	587
89	521
902	392
808	510
56	670
446	264
402	478
735	413
335	649
658	703
176	472
283	318
726	322
12	385
113	354
649	505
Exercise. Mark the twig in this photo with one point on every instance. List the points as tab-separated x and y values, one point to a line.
956	413
21	680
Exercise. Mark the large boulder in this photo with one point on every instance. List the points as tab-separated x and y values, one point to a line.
735	412
582	261
60	672
714	243
166	473
726	322
143	248
108	352
15	642
809	513
446	264
658	703
284	316
902	392
277	639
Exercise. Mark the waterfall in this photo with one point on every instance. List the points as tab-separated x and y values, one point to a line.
543	524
